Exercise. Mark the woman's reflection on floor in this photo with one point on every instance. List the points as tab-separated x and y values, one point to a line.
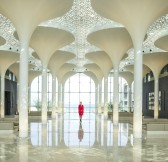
80	132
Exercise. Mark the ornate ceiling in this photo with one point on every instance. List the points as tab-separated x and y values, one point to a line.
80	21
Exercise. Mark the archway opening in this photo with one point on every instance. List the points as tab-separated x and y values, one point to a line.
78	88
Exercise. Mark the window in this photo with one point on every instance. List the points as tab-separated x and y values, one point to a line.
36	88
123	93
79	88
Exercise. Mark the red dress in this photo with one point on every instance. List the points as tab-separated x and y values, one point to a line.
80	110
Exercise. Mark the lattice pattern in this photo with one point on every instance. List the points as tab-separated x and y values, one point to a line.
80	21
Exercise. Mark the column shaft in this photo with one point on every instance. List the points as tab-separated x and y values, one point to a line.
105	95
59	97
23	90
129	98
100	98
53	96
96	99
17	111
2	95
29	99
156	103
44	95
137	119
115	96
62	105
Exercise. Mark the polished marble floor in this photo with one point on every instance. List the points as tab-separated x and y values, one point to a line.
95	139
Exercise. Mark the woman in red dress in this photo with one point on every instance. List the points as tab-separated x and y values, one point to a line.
80	110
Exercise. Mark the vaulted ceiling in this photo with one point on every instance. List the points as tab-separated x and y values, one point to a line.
79	19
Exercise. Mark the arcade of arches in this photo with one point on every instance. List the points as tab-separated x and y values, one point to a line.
111	55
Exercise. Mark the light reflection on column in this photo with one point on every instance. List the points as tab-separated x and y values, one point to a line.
102	129
130	137
105	132
137	150
44	134
23	150
123	134
59	129
99	129
53	131
115	143
62	132
61	142
96	142
44	143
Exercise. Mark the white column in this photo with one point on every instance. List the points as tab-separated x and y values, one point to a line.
23	91
115	96
2	95
53	95
62	105
105	95
129	98
100	97
156	103
44	95
137	119
96	98
17	111
29	100
59	97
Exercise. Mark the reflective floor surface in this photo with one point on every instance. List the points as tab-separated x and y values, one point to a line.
95	139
